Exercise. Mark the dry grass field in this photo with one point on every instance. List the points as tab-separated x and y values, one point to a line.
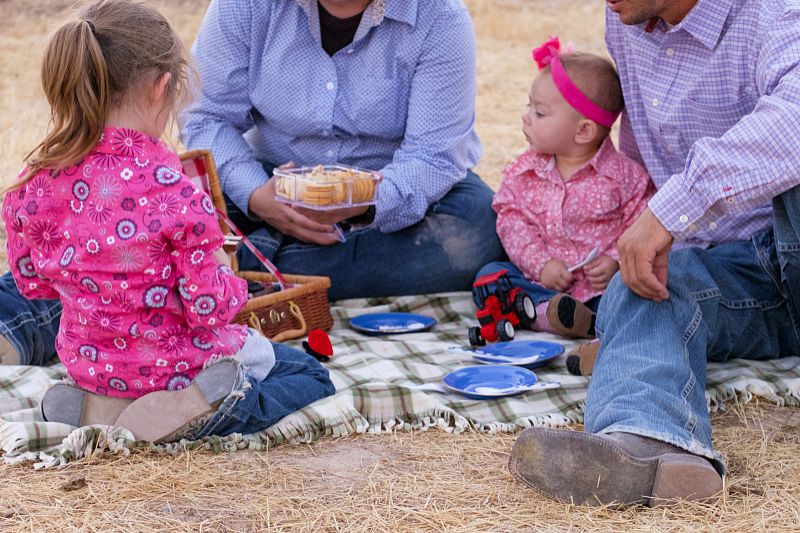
431	481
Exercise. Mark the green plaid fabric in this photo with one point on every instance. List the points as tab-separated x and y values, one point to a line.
376	380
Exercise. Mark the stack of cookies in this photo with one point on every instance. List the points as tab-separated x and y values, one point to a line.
326	186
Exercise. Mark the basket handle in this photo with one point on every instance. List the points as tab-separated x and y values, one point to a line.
253	322
293	333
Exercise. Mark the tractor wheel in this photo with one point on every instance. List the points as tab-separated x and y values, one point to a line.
505	330
475	337
526	311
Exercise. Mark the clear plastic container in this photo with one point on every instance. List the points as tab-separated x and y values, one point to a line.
326	187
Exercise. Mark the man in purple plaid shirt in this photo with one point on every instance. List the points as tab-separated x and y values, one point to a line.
711	270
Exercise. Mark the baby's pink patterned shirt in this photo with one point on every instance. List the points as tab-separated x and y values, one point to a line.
542	217
126	243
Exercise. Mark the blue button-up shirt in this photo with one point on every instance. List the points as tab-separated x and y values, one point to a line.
712	111
399	99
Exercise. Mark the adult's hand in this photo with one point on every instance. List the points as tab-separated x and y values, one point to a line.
287	220
555	276
643	253
331	216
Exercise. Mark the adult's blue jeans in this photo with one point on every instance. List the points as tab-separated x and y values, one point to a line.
438	254
537	293
296	380
737	299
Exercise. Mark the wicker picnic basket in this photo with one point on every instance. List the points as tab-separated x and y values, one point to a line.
287	314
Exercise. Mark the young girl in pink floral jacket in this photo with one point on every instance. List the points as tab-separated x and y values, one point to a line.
103	219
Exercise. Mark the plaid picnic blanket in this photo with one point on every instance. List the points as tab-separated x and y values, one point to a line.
377	380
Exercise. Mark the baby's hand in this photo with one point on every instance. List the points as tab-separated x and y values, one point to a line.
600	271
555	276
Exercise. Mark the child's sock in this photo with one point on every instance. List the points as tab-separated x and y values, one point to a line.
542	323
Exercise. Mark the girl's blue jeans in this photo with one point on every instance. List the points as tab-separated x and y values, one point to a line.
296	380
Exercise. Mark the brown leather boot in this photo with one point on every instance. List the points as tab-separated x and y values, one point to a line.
165	415
570	318
70	405
580	360
617	468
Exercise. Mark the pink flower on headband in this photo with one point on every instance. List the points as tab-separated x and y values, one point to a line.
551	48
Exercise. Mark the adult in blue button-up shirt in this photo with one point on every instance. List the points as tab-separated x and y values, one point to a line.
397	98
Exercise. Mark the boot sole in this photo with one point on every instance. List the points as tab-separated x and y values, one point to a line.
161	415
586	469
70	405
581	359
581	322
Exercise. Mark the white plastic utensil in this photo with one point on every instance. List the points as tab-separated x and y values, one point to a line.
491	391
588	259
492	358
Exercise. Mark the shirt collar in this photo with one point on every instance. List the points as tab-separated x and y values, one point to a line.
400	10
706	20
601	162
377	10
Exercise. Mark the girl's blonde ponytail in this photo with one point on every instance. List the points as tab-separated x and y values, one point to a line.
98	61
76	83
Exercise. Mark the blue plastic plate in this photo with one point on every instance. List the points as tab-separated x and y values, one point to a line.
391	323
530	354
487	382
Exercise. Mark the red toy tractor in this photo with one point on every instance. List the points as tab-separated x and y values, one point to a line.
502	307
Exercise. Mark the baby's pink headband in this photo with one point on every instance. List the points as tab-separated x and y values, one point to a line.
547	54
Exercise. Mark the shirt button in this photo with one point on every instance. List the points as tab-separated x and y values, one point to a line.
670	52
329	153
325	133
683	218
712	226
655	102
668	148
349	50
692	228
329	86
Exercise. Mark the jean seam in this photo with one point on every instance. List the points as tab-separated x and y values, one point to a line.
765	267
779	284
794	318
688	334
236	395
28	318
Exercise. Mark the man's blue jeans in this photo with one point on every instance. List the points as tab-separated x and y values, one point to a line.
738	299
296	380
440	253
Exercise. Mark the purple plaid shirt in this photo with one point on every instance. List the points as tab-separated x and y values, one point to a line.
713	113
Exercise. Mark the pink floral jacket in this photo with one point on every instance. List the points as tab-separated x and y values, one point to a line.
542	217
126	242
